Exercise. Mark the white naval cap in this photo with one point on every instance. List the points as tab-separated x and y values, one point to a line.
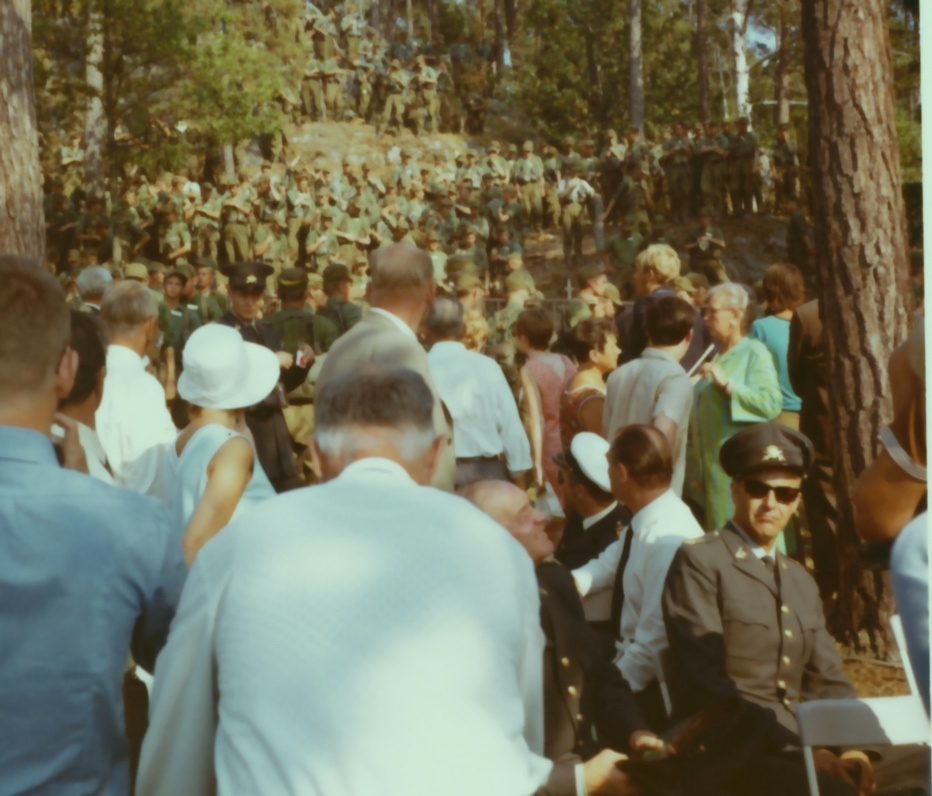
589	451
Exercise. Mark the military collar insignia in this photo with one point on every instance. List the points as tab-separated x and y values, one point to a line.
773	454
741	553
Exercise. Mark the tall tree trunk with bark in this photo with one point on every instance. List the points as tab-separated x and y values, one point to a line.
500	36
596	107
781	111
22	220
95	120
636	92
480	17
511	19
702	63
861	252
739	49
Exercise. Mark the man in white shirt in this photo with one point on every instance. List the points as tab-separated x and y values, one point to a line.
635	567
654	389
399	294
88	339
376	638
133	422
491	442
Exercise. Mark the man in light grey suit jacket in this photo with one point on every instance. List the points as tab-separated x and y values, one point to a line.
400	293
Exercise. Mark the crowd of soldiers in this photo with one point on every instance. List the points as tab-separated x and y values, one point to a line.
352	73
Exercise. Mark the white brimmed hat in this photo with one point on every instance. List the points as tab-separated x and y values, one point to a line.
222	371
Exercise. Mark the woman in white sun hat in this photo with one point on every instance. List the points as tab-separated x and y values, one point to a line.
215	473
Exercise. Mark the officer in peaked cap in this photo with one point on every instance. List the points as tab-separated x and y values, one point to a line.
265	420
746	628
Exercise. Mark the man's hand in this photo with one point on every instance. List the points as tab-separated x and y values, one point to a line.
852	767
285	360
72	452
306	355
645	741
603	776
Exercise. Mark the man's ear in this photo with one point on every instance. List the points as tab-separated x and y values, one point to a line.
432	457
66	374
431	294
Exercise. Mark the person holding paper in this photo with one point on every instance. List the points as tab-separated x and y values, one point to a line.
738	387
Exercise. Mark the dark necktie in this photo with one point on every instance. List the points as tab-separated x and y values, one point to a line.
771	563
618	590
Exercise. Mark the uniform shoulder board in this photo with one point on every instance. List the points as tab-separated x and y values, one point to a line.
704	539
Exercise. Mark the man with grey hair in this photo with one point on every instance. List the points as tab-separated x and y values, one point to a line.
490	440
400	292
350	648
92	283
133	422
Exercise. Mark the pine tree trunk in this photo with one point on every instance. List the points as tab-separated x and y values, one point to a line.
739	20
480	15
22	220
861	251
702	63
95	120
637	65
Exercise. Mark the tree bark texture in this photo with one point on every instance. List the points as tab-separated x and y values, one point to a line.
636	92
702	63
22	220
95	120
861	254
739	22
511	19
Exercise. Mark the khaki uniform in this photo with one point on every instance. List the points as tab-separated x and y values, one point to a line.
528	176
235	234
676	167
743	178
712	183
312	90
206	229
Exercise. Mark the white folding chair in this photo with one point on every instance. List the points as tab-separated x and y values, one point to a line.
860	723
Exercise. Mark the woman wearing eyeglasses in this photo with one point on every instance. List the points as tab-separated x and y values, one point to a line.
738	388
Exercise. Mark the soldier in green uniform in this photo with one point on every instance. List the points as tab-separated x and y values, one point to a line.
528	174
395	84
715	151
271	246
211	304
324	35
321	243
333	91
611	163
206	223
636	151
236	211
519	288
301	212
705	247
427	93
574	192
312	90
176	326
296	322
352	26
675	161
621	251
785	164
363	73
469	246
799	245
72	164
340	309
745	152
446	94
175	245
475	114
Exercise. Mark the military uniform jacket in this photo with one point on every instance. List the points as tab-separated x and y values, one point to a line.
734	631
582	690
580	545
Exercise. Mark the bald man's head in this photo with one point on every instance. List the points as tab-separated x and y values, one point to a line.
511	508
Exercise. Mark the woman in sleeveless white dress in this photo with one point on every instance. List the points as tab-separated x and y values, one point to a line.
214	471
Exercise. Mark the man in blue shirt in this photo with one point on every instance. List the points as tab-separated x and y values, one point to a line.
87	571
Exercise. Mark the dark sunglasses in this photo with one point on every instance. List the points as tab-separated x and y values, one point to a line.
759	489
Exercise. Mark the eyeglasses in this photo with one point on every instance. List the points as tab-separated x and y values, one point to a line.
713	310
760	489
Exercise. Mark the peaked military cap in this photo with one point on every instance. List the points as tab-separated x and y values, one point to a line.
764	446
247	276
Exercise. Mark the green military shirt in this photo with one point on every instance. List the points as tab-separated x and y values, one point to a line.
681	157
719	141
526	171
175	237
177	326
297	326
211	307
502	323
745	144
623	251
343	314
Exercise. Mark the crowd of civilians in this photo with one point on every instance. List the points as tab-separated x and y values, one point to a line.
563	561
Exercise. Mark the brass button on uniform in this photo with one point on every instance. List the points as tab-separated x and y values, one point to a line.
785	609
781	684
579	718
571	690
788	633
786	701
565	663
786	660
